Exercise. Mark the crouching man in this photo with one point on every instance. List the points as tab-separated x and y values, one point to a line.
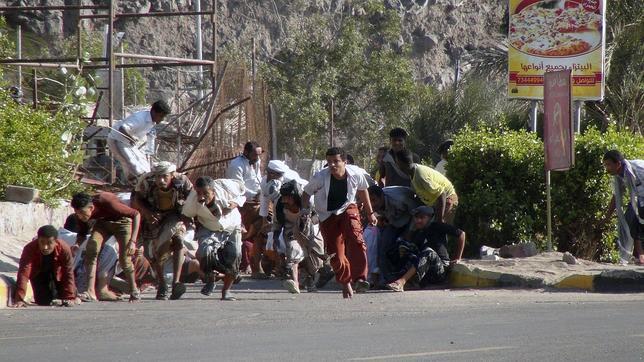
46	263
159	197
110	217
424	257
303	242
214	204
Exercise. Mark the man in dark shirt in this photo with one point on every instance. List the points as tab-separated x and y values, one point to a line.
389	170
424	256
110	217
336	190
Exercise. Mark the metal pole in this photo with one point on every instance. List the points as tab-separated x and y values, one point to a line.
199	47
176	94
534	106
457	73
34	95
213	20
549	207
79	41
162	58
110	80
19	54
122	61
578	117
253	62
273	123
331	125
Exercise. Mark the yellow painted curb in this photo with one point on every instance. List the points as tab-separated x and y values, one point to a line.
7	288
577	281
458	279
6	291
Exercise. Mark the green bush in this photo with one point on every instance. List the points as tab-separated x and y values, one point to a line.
581	195
39	149
499	176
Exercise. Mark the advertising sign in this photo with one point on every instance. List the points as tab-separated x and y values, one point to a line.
551	35
558	130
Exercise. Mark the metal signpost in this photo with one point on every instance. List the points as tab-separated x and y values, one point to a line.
558	130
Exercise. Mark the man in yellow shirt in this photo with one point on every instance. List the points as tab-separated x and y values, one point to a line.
431	186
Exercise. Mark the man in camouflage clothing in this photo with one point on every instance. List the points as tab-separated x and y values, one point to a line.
159	197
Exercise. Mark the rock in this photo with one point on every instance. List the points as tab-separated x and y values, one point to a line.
569	258
424	43
21	194
521	250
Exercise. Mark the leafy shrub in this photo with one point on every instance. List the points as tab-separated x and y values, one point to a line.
581	195
500	179
39	149
498	176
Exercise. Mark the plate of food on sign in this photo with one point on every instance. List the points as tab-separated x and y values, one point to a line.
556	28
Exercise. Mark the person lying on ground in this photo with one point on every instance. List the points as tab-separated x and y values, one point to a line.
423	258
47	263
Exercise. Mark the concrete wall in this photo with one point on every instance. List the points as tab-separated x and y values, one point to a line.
18	225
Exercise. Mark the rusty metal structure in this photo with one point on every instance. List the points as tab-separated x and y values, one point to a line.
200	138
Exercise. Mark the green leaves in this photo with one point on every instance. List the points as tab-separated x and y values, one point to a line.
350	63
500	179
37	148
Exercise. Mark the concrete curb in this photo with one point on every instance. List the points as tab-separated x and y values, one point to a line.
8	288
608	281
7	285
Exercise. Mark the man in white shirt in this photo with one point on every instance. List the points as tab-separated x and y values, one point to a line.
335	190
277	174
128	135
214	204
247	169
443	151
628	176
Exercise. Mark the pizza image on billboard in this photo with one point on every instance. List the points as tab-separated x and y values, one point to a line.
556	28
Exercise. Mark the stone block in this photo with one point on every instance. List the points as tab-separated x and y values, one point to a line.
21	194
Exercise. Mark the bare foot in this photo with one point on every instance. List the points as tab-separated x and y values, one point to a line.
347	291
108	296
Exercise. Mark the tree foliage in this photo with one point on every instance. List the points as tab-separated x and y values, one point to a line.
350	62
39	148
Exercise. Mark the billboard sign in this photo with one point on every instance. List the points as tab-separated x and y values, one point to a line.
551	35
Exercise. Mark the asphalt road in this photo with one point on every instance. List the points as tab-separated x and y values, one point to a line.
269	324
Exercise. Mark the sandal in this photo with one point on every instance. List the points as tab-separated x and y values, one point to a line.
85	297
228	296
135	296
395	287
